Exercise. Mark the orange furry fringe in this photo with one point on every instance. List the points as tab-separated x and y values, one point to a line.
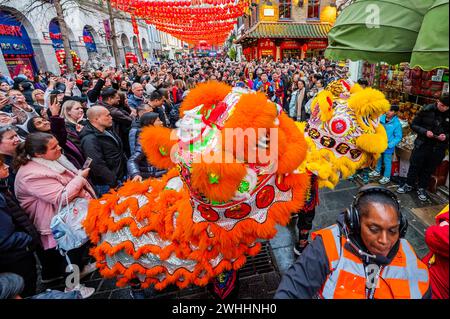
291	145
253	111
157	146
229	177
189	240
208	93
252	118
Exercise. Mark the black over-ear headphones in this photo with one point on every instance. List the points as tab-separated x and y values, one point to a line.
352	216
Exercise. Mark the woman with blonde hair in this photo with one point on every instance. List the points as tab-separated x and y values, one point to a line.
73	114
39	103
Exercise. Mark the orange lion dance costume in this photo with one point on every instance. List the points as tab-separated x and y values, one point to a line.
206	214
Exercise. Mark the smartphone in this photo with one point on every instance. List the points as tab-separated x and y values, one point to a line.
87	163
12	99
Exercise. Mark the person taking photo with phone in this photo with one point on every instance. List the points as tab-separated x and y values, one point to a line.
432	126
44	174
56	125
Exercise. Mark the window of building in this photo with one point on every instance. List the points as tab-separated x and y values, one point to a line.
285	7
313	9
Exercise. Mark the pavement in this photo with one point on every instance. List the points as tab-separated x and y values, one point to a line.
261	275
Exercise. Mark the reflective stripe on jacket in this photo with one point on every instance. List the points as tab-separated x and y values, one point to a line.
406	277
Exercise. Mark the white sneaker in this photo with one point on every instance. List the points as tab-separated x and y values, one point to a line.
384	180
88	269
374	174
85	292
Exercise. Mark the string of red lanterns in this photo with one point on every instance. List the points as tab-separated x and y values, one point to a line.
191	21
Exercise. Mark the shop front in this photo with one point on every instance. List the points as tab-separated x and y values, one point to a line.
316	48
16	46
280	40
292	49
266	49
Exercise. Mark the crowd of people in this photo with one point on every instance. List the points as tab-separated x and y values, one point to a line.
51	125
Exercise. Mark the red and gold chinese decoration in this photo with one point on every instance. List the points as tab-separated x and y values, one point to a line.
188	20
61	57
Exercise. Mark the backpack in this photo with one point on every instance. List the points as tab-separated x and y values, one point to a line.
66	225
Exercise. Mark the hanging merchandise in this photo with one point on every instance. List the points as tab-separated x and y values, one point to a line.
190	21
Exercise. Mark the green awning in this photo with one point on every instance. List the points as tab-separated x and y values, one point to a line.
431	49
392	31
291	30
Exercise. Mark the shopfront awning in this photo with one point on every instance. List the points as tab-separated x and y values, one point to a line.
291	30
392	31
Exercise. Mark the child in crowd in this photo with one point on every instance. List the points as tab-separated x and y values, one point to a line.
393	129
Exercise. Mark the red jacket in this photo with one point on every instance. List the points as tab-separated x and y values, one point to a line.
436	238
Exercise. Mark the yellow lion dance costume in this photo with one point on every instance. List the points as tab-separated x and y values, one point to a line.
204	217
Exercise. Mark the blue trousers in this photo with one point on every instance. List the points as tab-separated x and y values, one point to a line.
387	160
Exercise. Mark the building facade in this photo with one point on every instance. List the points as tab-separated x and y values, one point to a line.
155	49
32	39
172	47
283	29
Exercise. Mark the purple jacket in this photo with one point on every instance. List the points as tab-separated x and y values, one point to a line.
72	152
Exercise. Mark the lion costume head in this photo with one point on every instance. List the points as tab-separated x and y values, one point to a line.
344	133
237	167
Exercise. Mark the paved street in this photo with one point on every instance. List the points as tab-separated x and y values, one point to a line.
261	275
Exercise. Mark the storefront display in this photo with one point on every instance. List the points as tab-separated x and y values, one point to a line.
16	46
61	57
410	89
398	82
88	39
407	111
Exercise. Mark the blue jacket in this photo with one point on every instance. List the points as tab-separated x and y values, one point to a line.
394	132
134	101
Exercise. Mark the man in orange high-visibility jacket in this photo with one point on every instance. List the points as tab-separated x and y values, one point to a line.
363	256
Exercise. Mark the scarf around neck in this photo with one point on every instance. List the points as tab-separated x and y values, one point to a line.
59	166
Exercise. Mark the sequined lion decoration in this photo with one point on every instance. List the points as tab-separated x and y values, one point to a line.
344	133
237	166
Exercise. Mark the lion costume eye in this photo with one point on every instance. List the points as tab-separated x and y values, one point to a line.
339	126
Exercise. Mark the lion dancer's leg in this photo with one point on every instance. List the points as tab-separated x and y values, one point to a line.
137	292
225	285
304	225
306	216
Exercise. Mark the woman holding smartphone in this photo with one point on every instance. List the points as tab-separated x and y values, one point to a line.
43	175
56	125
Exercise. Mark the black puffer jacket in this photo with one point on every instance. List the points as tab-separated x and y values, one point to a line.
108	159
121	123
431	119
19	216
138	165
133	135
15	242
